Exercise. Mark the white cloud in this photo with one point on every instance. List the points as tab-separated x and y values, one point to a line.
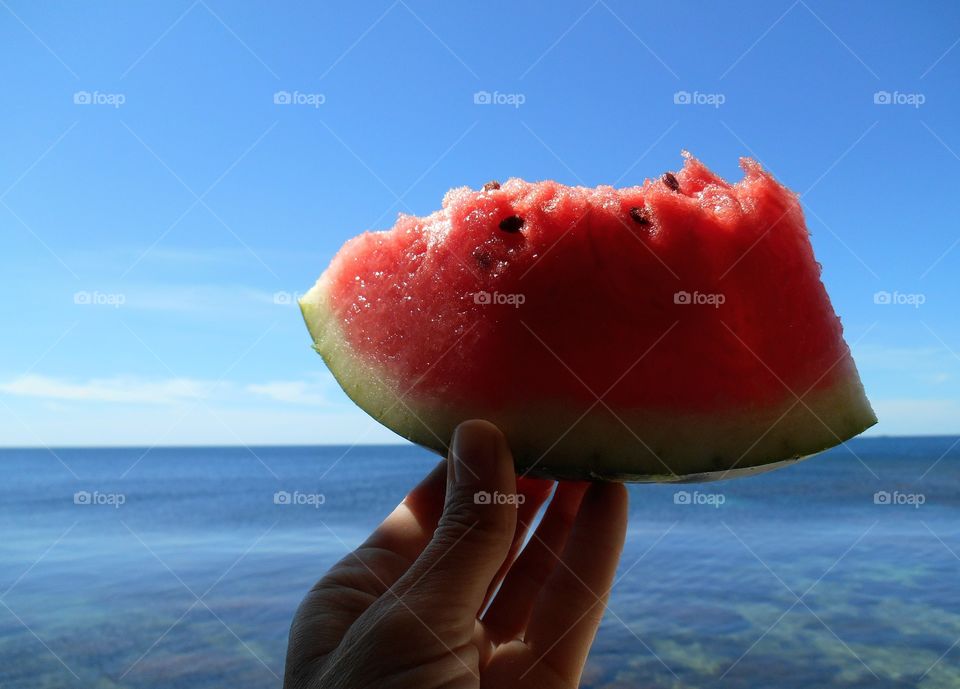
119	390
197	298
290	392
901	358
213	424
136	411
904	416
937	378
171	391
224	300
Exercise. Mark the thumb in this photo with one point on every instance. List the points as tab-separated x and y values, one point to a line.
474	534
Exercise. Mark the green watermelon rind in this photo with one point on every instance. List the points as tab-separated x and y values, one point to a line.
640	446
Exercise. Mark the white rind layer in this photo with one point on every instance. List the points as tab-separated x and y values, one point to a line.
560	441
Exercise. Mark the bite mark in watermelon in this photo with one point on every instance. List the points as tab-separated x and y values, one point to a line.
677	330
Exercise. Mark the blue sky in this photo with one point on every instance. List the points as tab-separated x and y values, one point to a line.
148	170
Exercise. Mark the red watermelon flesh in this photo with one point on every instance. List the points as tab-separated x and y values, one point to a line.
657	332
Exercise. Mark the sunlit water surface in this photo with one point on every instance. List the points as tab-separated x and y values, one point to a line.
798	578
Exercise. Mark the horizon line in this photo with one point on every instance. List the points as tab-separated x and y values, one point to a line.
50	448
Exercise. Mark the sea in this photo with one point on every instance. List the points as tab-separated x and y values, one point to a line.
180	568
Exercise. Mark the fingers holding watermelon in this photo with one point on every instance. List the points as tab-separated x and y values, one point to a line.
405	608
476	530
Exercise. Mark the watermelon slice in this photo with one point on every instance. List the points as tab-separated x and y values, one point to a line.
672	331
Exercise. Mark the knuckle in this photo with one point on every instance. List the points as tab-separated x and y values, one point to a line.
465	519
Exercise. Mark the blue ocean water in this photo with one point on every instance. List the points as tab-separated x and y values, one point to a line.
178	569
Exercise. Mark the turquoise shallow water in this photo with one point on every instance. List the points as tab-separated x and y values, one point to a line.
798	578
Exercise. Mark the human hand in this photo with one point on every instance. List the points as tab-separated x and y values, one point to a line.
442	596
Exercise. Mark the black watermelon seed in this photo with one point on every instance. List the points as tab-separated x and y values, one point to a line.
511	224
640	215
671	181
492	184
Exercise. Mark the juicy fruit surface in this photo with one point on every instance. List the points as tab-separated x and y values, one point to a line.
676	330
704	298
